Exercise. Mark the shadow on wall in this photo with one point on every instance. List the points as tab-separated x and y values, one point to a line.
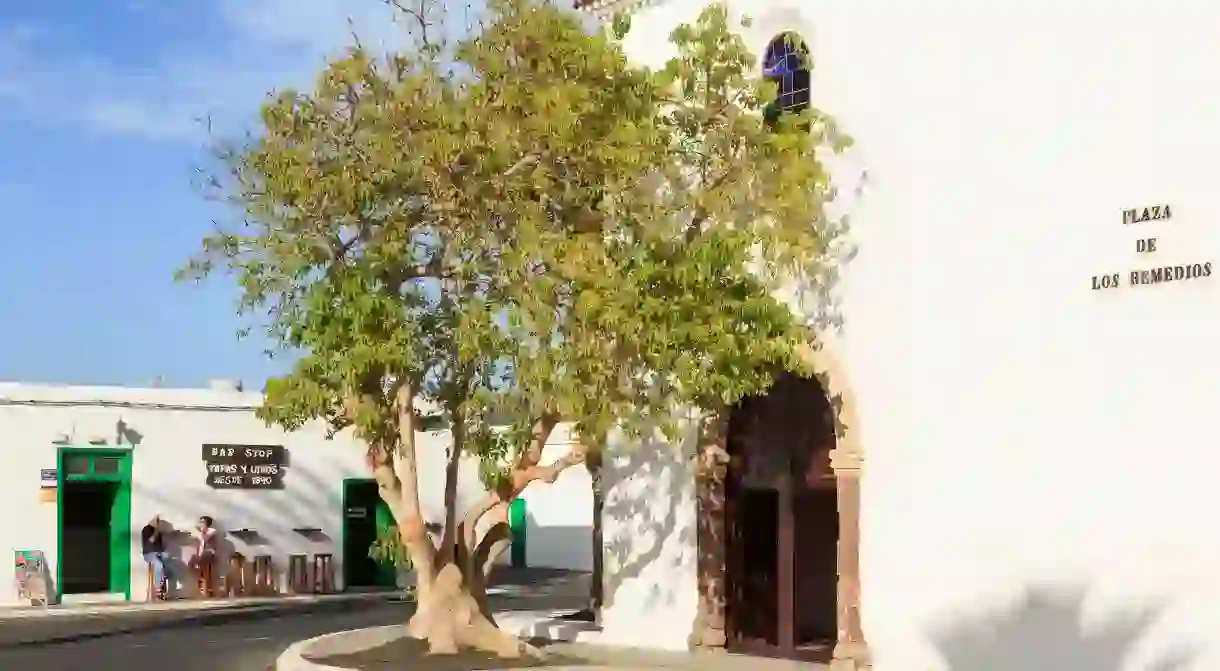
643	506
560	547
125	435
1048	629
305	498
306	502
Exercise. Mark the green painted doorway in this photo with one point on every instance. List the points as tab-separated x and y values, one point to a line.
93	508
516	526
365	515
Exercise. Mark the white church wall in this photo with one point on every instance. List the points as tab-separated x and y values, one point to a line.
648	540
1022	430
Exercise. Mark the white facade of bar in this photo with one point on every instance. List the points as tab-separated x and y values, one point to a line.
1021	431
165	429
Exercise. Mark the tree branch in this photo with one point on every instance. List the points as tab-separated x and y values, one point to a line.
481	556
449	535
539	434
401	494
551	471
517	481
497	539
418	15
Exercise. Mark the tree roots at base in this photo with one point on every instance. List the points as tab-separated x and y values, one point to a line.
450	617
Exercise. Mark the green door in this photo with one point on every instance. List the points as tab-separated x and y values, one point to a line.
91	476
516	526
384	519
120	540
365	516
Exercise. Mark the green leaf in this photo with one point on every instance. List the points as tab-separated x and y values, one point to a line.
621	24
555	229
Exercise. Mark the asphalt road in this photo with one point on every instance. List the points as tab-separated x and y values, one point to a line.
234	646
250	642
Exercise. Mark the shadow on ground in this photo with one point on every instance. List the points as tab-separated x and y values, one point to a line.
409	653
1048	629
538	588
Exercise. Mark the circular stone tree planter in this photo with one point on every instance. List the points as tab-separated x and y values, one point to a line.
568	645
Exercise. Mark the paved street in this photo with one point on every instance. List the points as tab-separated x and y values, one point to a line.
252	643
237	646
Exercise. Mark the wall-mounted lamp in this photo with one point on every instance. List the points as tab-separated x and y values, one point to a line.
97	440
62	439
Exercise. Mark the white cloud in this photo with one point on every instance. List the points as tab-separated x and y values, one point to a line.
152	122
267	44
318	26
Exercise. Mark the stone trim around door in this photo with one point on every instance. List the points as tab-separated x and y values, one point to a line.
851	651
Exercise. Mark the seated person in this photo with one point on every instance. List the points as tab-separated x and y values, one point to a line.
205	543
152	546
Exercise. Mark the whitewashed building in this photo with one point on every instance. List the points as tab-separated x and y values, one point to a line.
1026	377
88	467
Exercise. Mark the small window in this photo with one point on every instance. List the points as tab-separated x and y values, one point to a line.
786	62
77	464
106	465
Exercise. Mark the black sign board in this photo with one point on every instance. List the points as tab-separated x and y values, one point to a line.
244	481
243	454
274	470
244	466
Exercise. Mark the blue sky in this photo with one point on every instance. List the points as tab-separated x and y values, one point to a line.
99	139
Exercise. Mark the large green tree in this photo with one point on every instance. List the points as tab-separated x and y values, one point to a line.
512	231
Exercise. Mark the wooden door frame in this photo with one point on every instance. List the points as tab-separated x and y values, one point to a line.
851	651
785	574
784	488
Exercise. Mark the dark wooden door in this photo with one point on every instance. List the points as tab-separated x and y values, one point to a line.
816	521
359	532
752	564
783	525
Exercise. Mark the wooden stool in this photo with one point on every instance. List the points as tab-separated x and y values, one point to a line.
264	576
207	567
323	574
154	592
298	574
235	580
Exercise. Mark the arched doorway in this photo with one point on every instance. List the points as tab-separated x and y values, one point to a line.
782	519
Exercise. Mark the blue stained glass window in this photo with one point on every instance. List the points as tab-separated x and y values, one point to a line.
786	62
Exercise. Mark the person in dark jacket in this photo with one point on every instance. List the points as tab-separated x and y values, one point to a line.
152	545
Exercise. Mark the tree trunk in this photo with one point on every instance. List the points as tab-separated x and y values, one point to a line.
451	580
593	462
453	614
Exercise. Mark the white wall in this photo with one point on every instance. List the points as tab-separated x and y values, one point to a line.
1022	431
648	541
168	472
559	522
